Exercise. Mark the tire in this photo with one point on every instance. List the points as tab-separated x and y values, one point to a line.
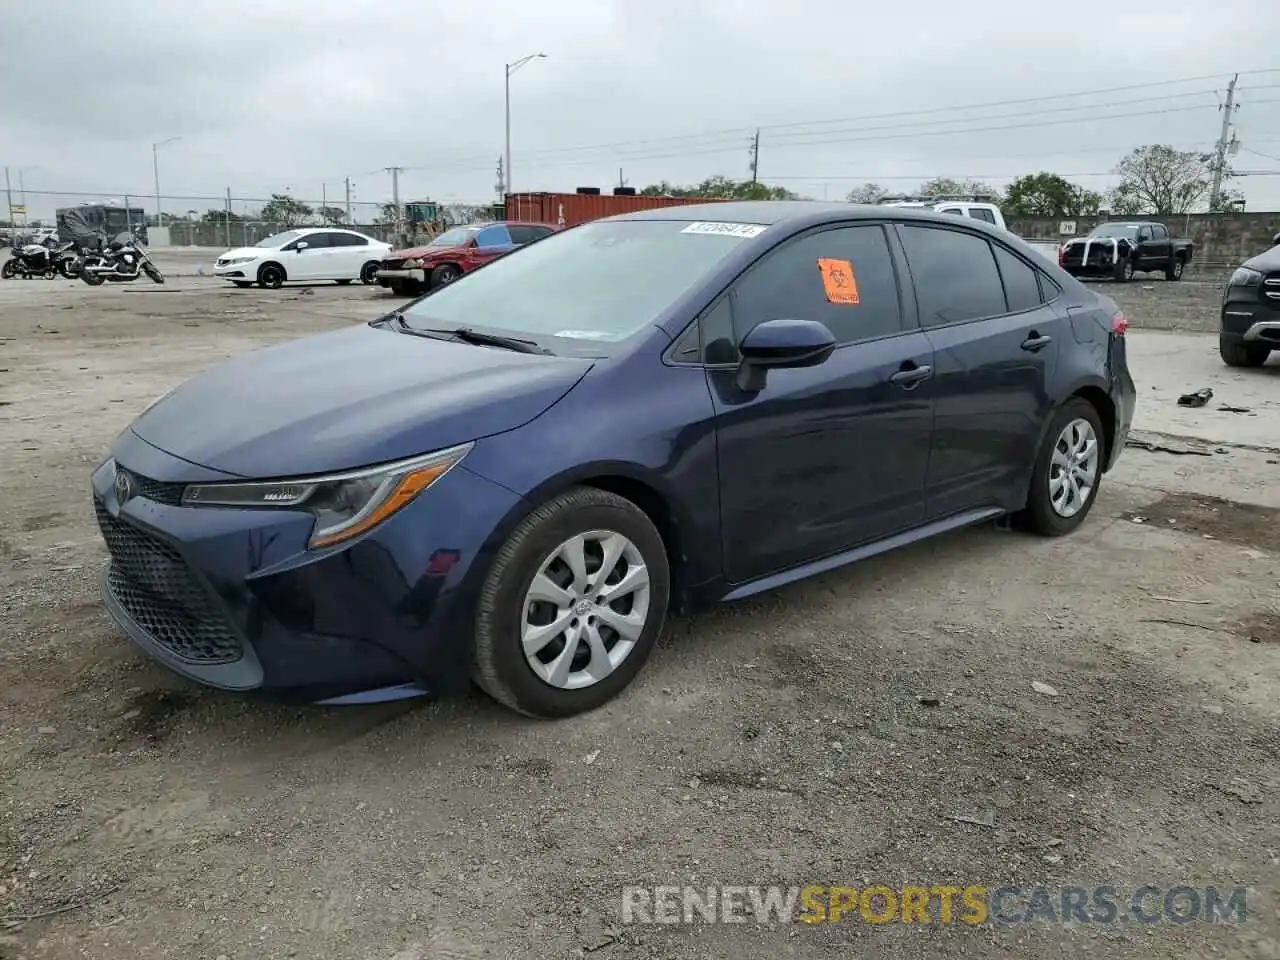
1040	515
403	288
9	270
1173	269
271	276
1236	354
153	272
242	284
500	666
69	267
344	283
445	273
369	273
92	279
1124	270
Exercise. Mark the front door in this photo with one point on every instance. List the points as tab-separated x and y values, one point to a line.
996	342
309	263
491	243
829	457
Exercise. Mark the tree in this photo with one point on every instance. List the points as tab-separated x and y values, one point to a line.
1049	195
867	193
1157	179
286	211
332	215
220	216
940	186
720	187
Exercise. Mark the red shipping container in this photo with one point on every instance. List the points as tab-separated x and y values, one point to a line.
570	209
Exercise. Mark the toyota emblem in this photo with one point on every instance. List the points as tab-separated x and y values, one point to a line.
123	486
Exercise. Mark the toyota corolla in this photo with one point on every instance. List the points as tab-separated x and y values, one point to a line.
514	478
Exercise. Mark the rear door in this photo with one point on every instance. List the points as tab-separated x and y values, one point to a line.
995	341
348	254
823	458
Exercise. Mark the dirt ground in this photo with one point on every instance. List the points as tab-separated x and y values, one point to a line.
841	731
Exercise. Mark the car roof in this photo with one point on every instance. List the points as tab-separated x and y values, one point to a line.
795	212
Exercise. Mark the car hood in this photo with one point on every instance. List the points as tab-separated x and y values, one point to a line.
1265	262
417	253
351	398
254	252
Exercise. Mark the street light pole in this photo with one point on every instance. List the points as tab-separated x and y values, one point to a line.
155	168
512	68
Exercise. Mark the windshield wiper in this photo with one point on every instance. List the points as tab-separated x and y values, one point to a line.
468	335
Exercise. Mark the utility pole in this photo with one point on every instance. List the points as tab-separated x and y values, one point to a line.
227	219
395	195
8	192
509	69
502	181
621	182
347	183
1220	152
324	201
755	155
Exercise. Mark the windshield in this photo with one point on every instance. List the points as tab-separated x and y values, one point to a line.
1120	231
455	237
597	283
279	239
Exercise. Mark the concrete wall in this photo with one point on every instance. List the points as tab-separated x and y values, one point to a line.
1222	240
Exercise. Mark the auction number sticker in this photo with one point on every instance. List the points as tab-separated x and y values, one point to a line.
744	230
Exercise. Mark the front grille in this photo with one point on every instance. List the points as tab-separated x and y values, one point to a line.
392	264
154	584
1271	286
156	490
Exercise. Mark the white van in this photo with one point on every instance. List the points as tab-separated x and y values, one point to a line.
974	207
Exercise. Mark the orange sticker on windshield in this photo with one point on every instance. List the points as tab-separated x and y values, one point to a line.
838	280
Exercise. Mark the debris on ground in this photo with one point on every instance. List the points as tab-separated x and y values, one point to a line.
1044	688
1168	446
987	818
1229	409
1196	399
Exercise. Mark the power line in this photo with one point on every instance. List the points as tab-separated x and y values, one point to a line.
740	132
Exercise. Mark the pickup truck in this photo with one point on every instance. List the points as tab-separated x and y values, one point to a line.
1119	250
974	207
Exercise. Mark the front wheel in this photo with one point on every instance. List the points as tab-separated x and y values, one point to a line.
1125	270
1242	354
1068	469
572	606
271	276
153	272
9	270
446	273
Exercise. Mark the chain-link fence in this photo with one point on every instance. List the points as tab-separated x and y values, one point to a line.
231	221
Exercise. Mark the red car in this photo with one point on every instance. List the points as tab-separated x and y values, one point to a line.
455	252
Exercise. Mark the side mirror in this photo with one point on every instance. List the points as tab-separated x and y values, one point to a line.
301	245
781	344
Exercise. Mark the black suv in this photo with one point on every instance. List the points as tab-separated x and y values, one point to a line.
1251	311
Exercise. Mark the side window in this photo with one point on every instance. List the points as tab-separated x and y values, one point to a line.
495	236
315	241
348	240
981	213
954	274
520	235
718	342
1144	233
1159	231
1021	287
954	211
788	283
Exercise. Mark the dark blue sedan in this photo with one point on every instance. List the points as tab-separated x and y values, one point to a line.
515	478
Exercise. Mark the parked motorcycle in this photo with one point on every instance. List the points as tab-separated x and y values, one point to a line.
46	260
122	260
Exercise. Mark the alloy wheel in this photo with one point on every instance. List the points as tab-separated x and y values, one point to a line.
1073	468
585	609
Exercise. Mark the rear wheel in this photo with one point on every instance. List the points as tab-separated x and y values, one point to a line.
1235	354
91	278
369	272
1068	470
572	606
271	276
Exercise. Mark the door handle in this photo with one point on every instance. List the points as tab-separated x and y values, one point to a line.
1034	342
908	377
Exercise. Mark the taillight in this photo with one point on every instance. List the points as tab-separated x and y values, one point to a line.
1062	255
1119	324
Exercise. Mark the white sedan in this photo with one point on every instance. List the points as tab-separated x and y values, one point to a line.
304	255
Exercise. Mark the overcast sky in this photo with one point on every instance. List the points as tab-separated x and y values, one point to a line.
269	96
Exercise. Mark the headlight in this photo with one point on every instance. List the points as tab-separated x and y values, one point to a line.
235	260
413	264
345	505
1244	277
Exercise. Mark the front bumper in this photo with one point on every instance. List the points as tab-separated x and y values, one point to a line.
403	276
236	271
233	599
